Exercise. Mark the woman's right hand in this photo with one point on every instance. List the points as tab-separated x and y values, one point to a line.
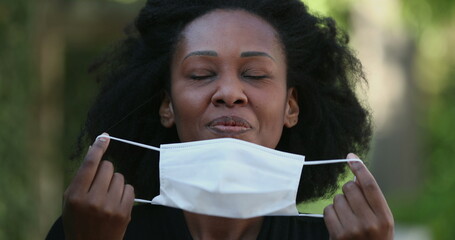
97	204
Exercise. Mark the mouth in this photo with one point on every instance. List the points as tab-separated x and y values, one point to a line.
229	125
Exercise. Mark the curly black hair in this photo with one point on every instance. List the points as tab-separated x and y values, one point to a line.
135	75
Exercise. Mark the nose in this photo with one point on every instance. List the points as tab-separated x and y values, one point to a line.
229	92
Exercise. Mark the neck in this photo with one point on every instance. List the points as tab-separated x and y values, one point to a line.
204	227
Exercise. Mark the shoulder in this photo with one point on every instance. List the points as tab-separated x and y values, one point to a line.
146	220
56	231
293	227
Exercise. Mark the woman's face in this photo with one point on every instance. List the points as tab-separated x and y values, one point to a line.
228	79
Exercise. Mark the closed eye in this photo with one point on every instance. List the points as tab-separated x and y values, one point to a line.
202	77
255	77
254	73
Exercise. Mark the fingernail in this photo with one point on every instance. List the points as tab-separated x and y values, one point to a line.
353	163
102	139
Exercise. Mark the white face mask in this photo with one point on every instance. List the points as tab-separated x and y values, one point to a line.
228	177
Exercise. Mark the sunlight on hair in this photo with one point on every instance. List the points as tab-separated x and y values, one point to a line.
319	6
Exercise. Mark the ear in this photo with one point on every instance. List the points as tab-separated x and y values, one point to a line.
291	114
166	112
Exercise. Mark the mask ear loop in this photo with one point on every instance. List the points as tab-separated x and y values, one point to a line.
305	163
326	162
132	143
135	144
332	161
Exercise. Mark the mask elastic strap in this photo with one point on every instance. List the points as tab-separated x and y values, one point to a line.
131	142
311	215
332	161
326	162
135	144
305	163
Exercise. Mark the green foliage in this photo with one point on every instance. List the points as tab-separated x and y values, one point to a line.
337	9
423	13
429	22
317	206
15	84
434	205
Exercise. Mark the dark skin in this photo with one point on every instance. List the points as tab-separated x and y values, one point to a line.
97	204
361	212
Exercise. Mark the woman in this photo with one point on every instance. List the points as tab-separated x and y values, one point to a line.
267	72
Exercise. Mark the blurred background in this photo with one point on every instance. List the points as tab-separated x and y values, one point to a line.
407	48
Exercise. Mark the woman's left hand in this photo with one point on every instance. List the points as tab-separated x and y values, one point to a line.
361	212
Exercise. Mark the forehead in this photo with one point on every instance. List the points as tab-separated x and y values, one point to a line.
235	30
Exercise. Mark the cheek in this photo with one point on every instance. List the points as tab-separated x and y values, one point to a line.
186	107
189	107
271	105
184	121
193	97
270	113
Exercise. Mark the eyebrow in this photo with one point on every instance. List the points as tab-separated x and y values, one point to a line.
201	53
256	54
211	53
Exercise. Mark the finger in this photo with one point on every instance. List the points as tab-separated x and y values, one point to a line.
127	201
357	200
86	173
369	187
128	198
332	222
116	188
344	212
103	178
